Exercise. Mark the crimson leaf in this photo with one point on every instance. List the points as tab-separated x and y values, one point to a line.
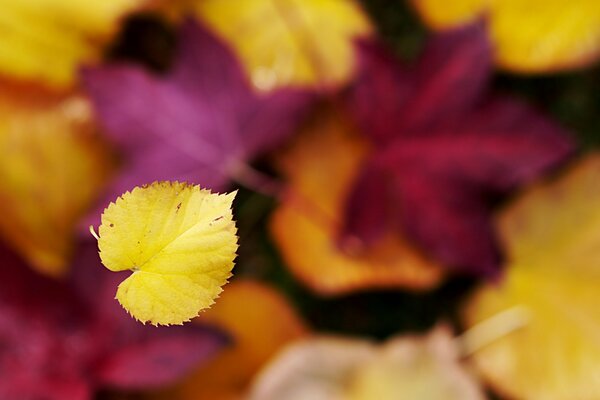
445	149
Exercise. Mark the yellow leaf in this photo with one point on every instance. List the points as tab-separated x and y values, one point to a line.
530	36
52	168
332	368
179	241
552	235
290	42
47	40
441	14
321	167
260	321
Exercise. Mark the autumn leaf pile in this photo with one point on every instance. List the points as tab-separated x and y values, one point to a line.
299	199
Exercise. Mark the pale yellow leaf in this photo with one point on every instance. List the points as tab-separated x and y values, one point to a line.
290	42
552	235
332	368
180	242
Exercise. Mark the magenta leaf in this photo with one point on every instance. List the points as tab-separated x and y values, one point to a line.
62	340
44	341
196	123
159	358
445	151
132	355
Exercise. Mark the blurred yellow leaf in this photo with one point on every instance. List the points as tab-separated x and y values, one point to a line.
47	40
290	42
531	36
53	166
321	167
322	368
552	235
179	241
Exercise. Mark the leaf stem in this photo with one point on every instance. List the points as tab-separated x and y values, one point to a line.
492	329
93	232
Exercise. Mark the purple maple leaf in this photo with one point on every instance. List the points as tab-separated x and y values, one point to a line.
197	123
62	340
444	149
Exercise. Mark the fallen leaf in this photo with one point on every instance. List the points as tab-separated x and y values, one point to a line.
58	343
50	147
530	36
180	242
320	167
48	40
290	42
445	151
198	123
552	241
260	322
330	368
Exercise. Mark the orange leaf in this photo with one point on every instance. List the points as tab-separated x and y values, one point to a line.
321	167
260	322
52	168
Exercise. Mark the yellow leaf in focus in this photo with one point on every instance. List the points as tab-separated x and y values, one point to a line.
321	167
530	36
179	241
552	236
48	40
330	368
260	321
53	166
290	42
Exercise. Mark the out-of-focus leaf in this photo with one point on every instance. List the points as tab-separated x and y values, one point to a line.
158	359
130	355
290	42
351	369
320	167
444	150
530	36
43	335
47	40
52	169
260	322
180	242
196	124
553	242
58	343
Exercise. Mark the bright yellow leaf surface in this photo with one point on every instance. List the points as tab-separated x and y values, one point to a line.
53	166
47	40
530	35
180	242
321	167
260	321
334	368
552	235
290	42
